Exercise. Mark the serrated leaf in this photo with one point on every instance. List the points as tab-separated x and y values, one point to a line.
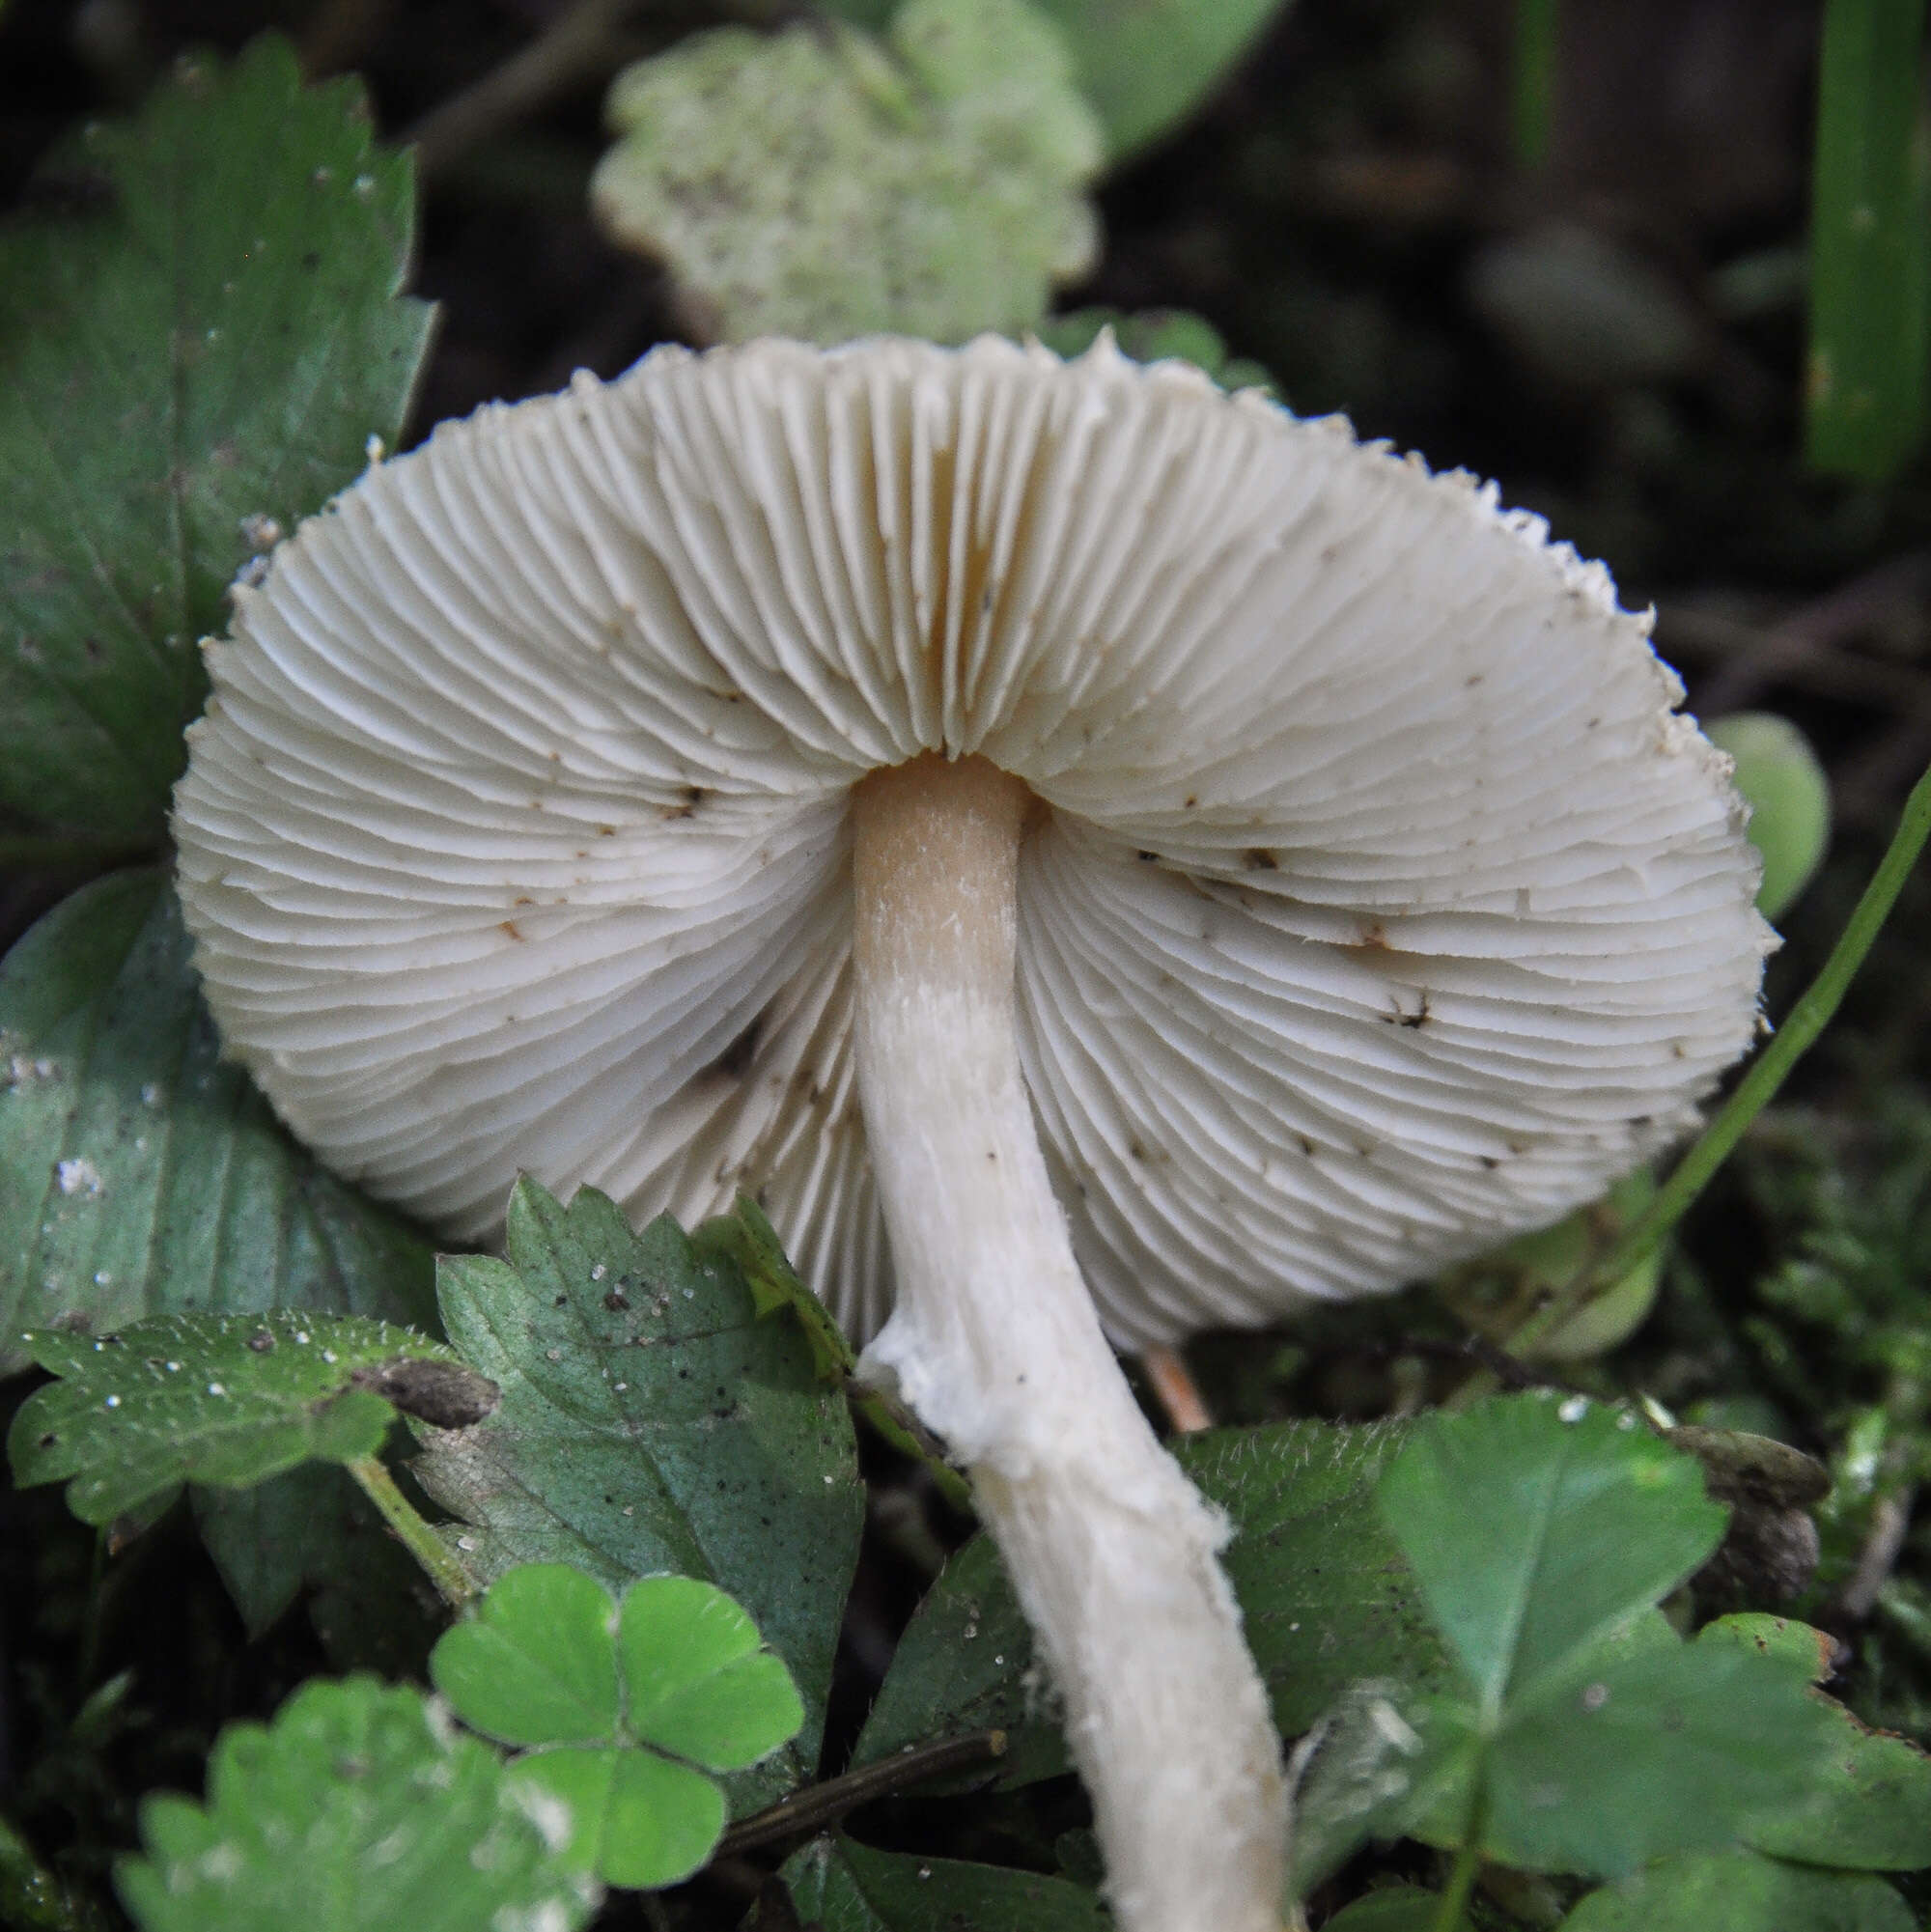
1869	1806
1323	1594
819	184
651	1423
745	1236
228	1400
841	1885
140	1174
1742	1892
194	353
353	1812
1533	1527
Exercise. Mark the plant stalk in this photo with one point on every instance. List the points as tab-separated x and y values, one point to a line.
454	1584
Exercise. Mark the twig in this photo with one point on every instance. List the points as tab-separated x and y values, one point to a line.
1754	657
1175	1390
821	1804
1815	627
1890	1517
582	41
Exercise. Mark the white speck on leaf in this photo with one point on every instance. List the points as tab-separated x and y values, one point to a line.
79	1176
216	1388
1575	1408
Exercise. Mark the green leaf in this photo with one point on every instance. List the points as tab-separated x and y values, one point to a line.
229	1400
697	1683
1155	335
1144	63
746	1237
1395	1908
353	1811
639	1820
817	183
314	1530
192	356
1585	1737
1789	797
537	1664
1869	1809
1324	1595
1534	1527
549	1659
1677	1747
840	1885
1741	1891
140	1173
1870	242
652	1422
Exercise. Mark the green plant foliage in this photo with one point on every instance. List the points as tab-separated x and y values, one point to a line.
1742	1892
820	185
139	1174
1534	1528
746	1238
1871	241
1144	63
652	1422
840	1885
191	357
229	1400
1394	1907
1582	1735
621	1702
1789	800
1324	1593
313	1530
354	1811
1871	1807
1535	1295
1837	1327
1155	335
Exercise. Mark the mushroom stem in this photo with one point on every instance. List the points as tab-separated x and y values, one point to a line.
995	1343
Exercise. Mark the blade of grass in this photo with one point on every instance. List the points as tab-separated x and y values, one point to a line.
1808	1019
1870	242
1532	81
1772	1067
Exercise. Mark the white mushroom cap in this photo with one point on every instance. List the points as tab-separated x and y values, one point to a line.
1384	904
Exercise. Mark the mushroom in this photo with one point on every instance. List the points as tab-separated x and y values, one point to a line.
1048	827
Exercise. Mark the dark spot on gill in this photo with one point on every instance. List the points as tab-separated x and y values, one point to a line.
735	1061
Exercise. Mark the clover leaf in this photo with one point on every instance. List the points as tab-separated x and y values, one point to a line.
624	1707
1582	1734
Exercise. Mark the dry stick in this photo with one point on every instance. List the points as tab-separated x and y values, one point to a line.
1173	1386
1753	1092
825	1804
1829	620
